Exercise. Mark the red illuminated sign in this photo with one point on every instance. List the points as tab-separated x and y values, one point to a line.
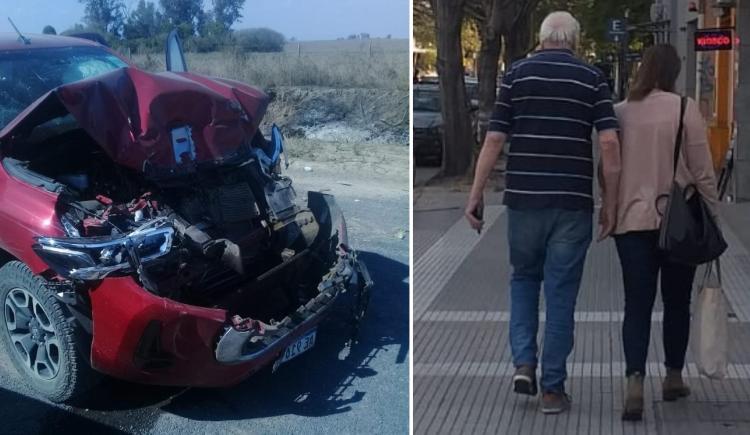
713	39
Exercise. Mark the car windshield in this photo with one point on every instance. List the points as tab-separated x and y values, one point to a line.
427	100
27	75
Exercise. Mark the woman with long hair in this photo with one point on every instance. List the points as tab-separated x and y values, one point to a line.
649	121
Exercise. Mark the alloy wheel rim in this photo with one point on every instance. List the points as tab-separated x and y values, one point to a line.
32	335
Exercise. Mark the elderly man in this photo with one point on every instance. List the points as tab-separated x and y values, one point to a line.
547	107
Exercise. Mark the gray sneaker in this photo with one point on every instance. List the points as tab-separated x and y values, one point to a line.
554	402
524	380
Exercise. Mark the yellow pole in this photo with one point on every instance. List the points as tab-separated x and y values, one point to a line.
720	130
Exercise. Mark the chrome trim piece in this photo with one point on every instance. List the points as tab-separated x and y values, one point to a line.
79	247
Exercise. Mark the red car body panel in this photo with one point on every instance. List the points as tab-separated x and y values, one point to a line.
26	212
130	114
122	310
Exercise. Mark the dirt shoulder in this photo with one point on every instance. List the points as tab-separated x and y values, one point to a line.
369	168
355	115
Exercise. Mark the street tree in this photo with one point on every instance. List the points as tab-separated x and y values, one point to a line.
424	23
49	30
488	15
424	34
458	139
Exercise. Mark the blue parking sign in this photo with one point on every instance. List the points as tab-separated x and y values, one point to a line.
616	29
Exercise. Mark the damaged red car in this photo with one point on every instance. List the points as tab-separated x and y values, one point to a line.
146	229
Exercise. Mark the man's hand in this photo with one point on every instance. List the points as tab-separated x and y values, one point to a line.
607	222
472	211
493	145
609	176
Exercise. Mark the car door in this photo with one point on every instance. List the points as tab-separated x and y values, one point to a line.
175	56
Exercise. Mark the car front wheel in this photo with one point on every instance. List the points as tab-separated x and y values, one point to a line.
38	337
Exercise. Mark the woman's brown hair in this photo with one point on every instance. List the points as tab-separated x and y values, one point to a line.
659	70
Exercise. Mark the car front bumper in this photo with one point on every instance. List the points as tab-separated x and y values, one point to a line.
144	338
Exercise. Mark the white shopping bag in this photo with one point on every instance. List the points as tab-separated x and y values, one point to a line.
710	326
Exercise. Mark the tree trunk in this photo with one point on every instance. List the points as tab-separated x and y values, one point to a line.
516	44
458	140
489	56
517	32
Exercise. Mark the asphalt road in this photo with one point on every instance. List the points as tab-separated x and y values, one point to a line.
333	388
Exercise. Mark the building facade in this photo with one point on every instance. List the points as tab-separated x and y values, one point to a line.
715	78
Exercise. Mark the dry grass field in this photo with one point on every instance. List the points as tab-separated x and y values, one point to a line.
375	63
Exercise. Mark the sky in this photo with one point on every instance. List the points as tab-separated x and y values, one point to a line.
300	19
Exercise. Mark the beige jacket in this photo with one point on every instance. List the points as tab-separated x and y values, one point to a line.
647	135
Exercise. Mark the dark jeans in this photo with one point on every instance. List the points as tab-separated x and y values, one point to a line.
642	261
546	245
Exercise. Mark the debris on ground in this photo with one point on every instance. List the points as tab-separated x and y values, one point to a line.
340	115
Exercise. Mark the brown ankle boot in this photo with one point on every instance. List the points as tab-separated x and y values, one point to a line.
634	398
673	387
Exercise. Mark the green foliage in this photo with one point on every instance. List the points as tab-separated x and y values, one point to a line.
49	30
424	23
144	29
262	40
92	33
144	22
185	15
77	28
226	13
593	16
206	44
424	35
105	16
470	41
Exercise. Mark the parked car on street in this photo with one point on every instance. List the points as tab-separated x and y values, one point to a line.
147	231
427	125
428	119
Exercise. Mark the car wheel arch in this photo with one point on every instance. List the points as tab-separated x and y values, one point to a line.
6	257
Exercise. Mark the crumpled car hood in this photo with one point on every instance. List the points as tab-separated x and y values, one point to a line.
131	113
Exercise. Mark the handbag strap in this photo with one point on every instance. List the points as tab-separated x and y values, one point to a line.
707	273
678	139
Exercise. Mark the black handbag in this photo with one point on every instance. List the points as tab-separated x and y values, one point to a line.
688	232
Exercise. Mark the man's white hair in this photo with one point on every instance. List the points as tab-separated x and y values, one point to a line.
560	28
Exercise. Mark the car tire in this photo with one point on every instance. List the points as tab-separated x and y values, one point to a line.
58	370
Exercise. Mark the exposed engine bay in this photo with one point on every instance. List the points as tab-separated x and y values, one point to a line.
198	238
175	185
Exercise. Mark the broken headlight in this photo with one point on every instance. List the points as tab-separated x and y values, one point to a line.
93	258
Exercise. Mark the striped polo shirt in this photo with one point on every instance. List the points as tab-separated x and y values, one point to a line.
547	105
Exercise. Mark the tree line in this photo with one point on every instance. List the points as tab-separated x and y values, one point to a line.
144	28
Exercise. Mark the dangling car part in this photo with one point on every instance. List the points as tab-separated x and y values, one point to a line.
150	209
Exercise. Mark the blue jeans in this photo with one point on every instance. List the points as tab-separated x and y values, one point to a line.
546	245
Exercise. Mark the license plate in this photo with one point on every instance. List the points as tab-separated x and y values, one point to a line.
302	345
